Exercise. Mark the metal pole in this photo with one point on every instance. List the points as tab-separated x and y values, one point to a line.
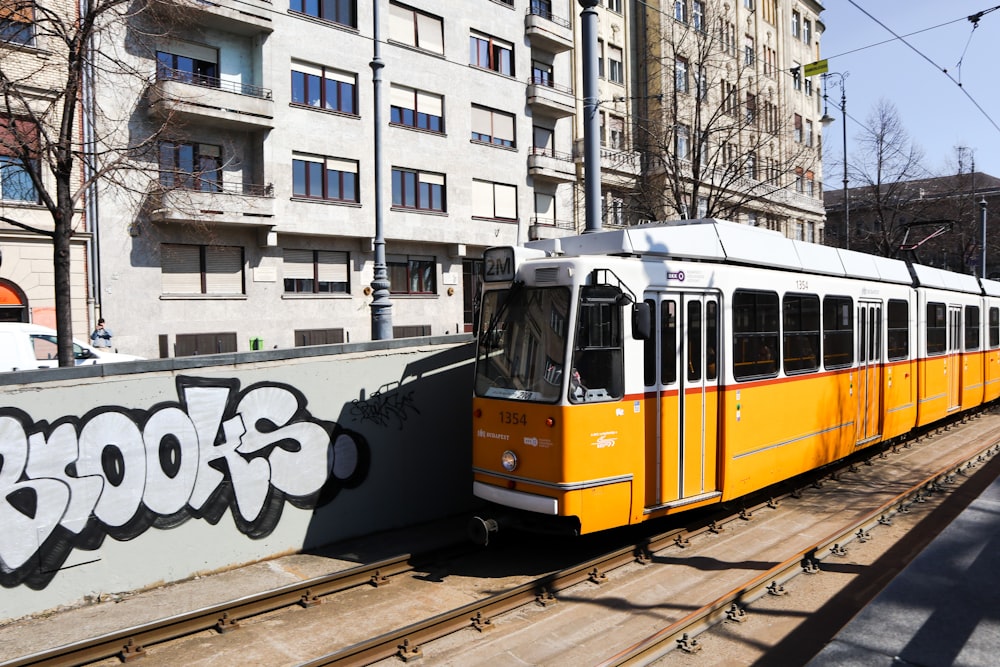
847	201
381	305
591	121
982	227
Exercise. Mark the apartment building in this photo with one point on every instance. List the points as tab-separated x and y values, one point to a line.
257	219
717	110
30	97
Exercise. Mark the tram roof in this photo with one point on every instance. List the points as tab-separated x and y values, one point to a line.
710	239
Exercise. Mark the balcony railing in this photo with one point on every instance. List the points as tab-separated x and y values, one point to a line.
535	10
548	152
187	181
169	74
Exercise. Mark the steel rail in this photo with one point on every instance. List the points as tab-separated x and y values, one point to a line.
681	634
132	642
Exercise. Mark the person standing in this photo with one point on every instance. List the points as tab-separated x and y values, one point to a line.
102	335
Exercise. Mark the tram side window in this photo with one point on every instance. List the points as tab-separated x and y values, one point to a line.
801	320
898	323
994	328
971	328
649	352
755	334
838	331
937	328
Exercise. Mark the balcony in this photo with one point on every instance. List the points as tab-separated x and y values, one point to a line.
547	32
228	204
547	165
542	228
619	162
209	101
548	99
241	17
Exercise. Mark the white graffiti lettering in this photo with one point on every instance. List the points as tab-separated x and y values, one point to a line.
117	471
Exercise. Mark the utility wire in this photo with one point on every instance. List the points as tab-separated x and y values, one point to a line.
934	64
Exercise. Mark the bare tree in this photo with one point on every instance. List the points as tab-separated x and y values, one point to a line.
887	201
715	128
57	142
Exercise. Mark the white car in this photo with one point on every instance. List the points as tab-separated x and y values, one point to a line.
29	346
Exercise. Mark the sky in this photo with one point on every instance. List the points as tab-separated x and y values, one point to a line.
919	74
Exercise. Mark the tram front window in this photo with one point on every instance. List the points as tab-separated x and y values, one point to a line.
522	343
597	358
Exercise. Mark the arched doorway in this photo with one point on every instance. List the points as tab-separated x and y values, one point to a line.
13	303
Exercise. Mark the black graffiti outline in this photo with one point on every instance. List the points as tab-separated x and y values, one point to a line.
385	406
39	570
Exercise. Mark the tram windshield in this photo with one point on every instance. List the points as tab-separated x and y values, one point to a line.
522	343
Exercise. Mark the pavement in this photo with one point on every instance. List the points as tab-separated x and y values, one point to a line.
943	609
115	612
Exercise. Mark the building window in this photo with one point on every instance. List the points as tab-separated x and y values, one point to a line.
18	159
493	127
541	74
189	63
749	4
681	75
799	178
201	269
343	12
698	15
191	166
491	53
613	5
616	67
15	179
416	108
616	133
315	272
701	83
749	53
809	133
751	109
17	23
414	28
317	177
420	190
796	75
495	201
810	184
751	165
796	25
682	143
681	11
324	88
798	127
412	274
807	28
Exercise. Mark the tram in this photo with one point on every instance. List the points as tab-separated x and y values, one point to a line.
628	374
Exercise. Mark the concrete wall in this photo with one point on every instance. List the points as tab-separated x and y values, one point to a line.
119	477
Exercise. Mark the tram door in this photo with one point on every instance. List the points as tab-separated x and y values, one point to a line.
953	360
682	376
869	423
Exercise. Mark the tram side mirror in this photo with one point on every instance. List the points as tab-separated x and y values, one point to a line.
642	321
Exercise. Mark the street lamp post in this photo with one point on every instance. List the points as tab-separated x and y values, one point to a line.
826	120
381	306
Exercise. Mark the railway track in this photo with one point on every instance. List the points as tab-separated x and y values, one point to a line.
712	557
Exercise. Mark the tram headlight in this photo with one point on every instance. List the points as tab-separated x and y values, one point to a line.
508	460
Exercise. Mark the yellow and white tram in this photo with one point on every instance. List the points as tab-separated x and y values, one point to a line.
628	374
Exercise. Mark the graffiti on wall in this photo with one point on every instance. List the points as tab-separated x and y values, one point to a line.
117	472
387	406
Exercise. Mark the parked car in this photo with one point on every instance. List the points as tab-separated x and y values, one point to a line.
28	346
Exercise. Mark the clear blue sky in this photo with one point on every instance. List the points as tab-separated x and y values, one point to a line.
936	112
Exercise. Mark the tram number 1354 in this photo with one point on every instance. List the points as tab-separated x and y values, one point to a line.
508	417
